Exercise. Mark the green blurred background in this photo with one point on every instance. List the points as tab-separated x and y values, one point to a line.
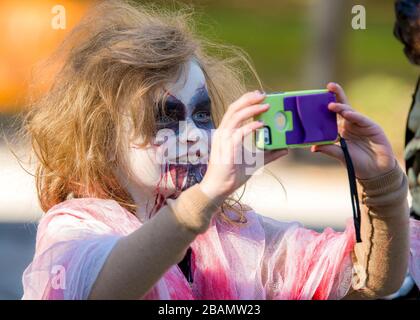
279	37
294	45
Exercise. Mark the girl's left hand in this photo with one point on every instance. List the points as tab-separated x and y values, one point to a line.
368	146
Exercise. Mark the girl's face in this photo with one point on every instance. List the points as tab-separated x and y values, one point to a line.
178	157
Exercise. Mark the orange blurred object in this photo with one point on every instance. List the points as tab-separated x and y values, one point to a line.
29	32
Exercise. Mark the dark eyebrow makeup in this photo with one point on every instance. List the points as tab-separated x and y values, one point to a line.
168	114
171	111
201	99
201	109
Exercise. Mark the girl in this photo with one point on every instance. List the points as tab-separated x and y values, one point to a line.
130	215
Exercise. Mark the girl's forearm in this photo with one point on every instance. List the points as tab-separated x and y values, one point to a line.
140	259
381	259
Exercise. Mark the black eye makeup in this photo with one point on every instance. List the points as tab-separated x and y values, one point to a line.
171	111
201	109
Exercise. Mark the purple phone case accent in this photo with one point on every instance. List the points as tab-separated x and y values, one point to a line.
312	121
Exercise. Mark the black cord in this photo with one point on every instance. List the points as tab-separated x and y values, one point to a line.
185	266
414	214
353	189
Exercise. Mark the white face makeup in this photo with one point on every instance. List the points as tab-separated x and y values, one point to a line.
188	116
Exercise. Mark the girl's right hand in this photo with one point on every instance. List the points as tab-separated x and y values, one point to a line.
227	169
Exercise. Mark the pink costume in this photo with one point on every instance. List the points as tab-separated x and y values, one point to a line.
267	259
415	250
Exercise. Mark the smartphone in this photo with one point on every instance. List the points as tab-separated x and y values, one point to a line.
297	119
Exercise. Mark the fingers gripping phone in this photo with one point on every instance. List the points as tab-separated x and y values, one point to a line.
297	119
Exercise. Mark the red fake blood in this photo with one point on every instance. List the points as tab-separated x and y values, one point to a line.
178	173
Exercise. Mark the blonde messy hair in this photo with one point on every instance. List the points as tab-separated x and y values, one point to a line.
112	64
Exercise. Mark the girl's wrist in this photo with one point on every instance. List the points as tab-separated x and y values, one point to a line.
373	180
193	209
383	170
214	194
388	190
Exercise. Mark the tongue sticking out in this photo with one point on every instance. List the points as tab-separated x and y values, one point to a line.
178	173
184	176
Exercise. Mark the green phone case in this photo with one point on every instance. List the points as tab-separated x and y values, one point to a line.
278	121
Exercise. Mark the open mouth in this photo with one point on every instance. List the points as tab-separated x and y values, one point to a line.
186	175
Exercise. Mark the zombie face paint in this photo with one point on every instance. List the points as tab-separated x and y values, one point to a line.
179	159
187	112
